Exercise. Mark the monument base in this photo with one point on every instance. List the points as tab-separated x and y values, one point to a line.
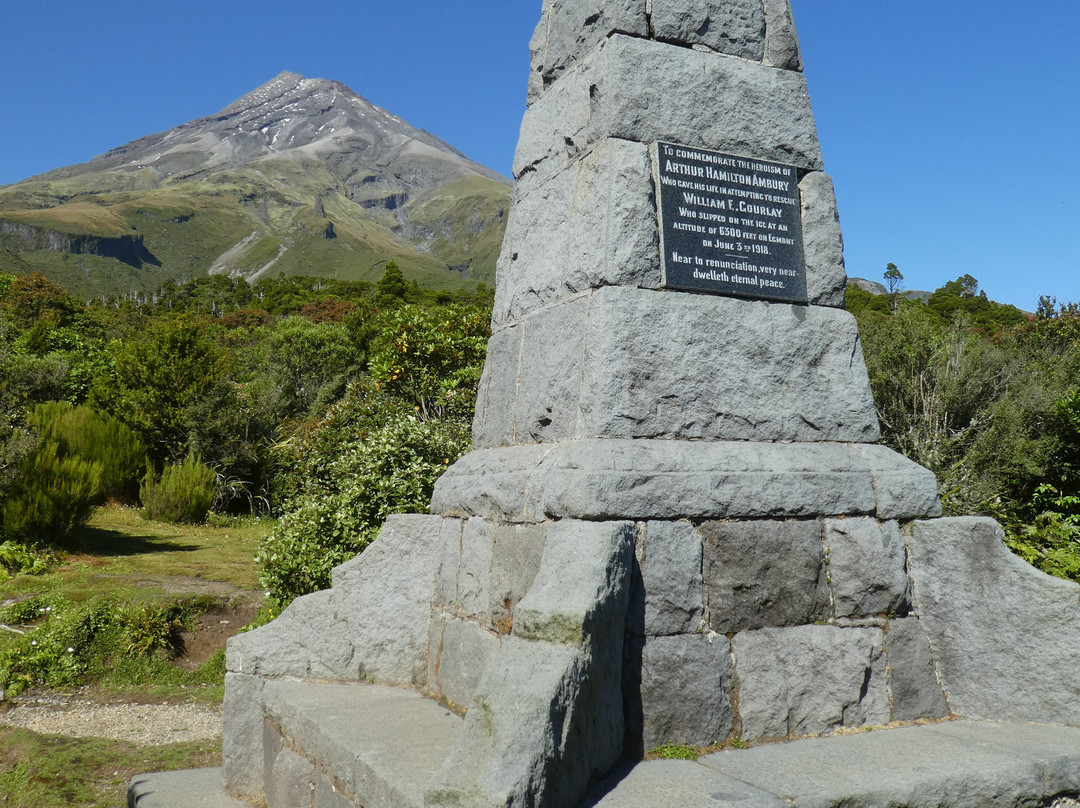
523	653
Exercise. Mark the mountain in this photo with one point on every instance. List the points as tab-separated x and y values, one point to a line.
300	176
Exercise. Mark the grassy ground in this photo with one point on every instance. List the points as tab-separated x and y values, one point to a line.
119	555
50	771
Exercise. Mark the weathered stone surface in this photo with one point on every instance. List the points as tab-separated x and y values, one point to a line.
474	576
661	479
440	618
809	680
671	576
1006	636
764	573
547	715
494	484
493	422
960	764
569	29
445	594
823	243
684	681
695	366
373	624
328	796
866	568
511	746
781	43
515	560
292	781
643	364
664	479
902	489
545	407
241	734
735	27
590	226
913	681
680	784
380	745
466	651
189	788
726	104
582	586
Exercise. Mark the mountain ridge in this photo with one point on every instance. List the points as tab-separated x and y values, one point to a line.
299	176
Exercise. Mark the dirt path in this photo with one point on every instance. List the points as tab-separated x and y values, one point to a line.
79	715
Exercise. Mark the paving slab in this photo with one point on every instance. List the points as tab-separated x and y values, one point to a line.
190	788
960	764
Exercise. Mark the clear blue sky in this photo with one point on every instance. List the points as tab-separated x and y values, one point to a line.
951	128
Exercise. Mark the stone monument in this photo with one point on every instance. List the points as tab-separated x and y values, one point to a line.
675	524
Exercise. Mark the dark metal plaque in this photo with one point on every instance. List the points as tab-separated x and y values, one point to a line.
730	225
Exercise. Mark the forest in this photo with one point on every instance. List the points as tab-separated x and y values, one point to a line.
325	406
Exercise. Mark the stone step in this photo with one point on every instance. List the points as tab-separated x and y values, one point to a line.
191	788
341	745
959	764
327	746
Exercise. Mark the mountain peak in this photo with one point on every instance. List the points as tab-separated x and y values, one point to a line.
281	84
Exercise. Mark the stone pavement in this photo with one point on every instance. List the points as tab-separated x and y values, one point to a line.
960	764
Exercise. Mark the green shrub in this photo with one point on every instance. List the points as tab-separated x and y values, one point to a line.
432	356
22	559
51	494
95	437
352	487
183	494
66	643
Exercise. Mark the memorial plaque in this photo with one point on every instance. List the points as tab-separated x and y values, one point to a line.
730	225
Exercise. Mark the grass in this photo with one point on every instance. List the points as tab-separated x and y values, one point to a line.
139	583
50	771
74	217
119	552
139	565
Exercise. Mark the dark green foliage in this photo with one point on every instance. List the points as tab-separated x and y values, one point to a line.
990	401
391	285
182	494
23	559
367	459
300	358
159	373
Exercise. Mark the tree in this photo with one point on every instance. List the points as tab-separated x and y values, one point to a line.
895	281
161	373
392	283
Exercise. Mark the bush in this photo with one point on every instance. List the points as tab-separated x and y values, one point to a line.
95	437
51	494
22	559
183	494
157	375
68	643
350	492
432	356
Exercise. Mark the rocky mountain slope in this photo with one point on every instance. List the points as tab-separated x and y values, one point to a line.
301	176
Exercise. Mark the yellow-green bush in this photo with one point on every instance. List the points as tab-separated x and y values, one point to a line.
51	494
98	438
182	494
